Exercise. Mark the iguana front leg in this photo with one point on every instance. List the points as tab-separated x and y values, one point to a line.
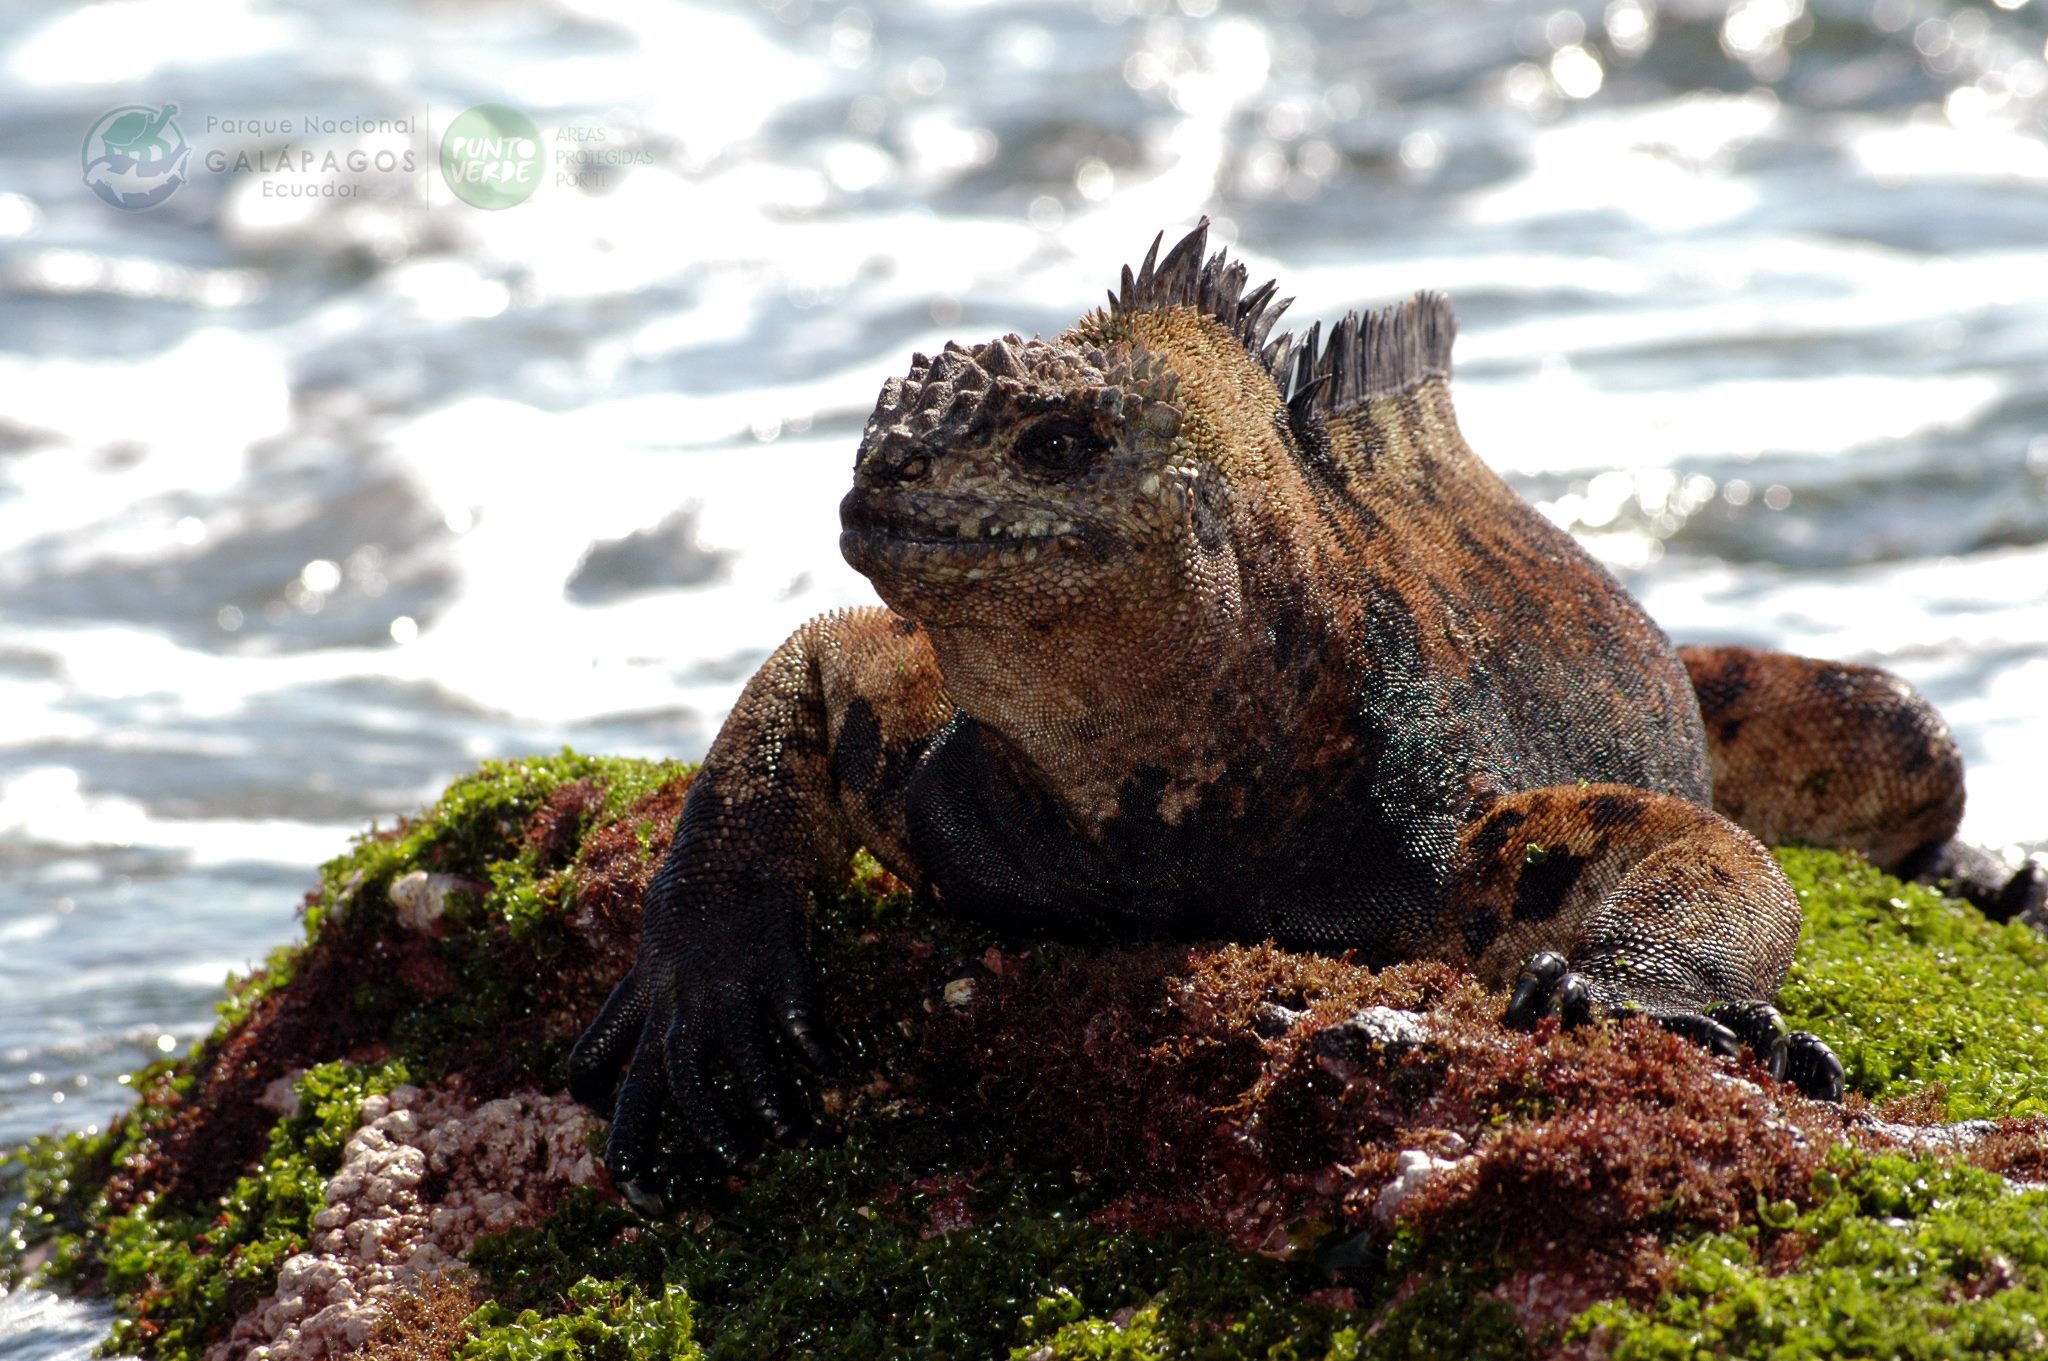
813	761
1609	898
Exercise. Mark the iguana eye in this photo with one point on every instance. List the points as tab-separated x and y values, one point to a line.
1061	446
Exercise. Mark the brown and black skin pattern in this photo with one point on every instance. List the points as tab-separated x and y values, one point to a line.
1836	754
1656	901
1166	654
1827	752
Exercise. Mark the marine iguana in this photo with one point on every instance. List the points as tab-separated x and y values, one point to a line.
1197	630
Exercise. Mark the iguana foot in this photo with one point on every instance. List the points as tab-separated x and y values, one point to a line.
1548	986
1983	880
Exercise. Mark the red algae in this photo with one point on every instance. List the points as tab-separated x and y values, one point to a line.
1299	1105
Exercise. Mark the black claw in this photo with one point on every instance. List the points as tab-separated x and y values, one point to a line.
1796	1056
1574	1001
1549	987
796	1024
1982	879
589	1083
1703	1031
1758	1025
642	1197
1812	1067
1535	990
629	1148
751	1066
603	1049
781	1129
682	1049
715	1137
727	1153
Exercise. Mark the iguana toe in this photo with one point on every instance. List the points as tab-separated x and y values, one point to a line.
1982	879
1795	1056
1549	987
604	1049
1812	1067
641	1195
1704	1031
1758	1025
631	1152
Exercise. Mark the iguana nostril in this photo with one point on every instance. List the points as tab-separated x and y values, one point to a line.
913	468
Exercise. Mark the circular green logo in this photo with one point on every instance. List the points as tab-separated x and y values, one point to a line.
491	156
135	157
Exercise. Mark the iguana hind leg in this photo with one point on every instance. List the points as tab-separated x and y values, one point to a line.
1835	754
1605	898
1657	901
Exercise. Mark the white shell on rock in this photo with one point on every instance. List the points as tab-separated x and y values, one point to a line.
421	900
1412	1171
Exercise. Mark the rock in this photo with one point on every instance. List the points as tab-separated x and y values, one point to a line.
1272	1020
378	1237
1180	1091
1956	1136
1375	1031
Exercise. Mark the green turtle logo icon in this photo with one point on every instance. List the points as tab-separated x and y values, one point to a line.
135	156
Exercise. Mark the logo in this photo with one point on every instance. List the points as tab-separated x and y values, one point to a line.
491	156
135	156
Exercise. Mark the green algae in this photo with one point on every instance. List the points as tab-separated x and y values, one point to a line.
183	1278
513	915
53	1187
800	1261
839	1253
47	1186
911	1238
1900	1258
604	1321
180	1271
1911	988
1442	1320
475	831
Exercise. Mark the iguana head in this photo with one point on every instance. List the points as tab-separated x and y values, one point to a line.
1131	459
1017	469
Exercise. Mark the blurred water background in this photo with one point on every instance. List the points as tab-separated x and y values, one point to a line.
309	501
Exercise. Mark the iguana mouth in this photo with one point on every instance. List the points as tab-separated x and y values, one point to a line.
878	530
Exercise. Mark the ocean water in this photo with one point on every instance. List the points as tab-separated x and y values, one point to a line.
318	484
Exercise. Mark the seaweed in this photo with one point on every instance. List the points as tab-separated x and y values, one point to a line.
1911	988
1897	1257
896	1243
183	1278
1050	1151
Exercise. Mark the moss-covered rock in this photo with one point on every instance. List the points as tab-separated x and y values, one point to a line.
1898	1258
1047	1152
1914	989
